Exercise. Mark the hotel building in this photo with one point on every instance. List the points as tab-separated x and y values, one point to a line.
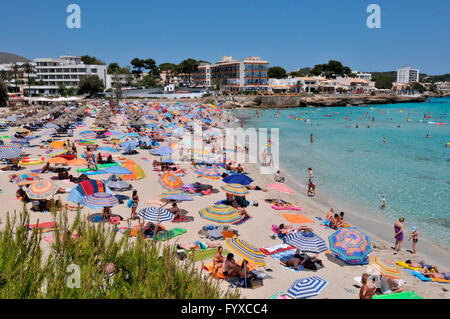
234	75
67	70
407	75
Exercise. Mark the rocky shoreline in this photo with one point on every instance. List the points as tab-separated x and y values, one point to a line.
332	100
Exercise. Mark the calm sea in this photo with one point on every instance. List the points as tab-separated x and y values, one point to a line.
355	168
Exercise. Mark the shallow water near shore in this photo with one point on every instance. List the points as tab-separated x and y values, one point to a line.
354	168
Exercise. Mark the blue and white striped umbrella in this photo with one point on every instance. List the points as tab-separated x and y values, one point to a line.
10	152
156	214
306	242
307	287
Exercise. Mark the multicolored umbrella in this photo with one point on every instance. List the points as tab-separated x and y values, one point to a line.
102	199
246	251
350	244
234	189
306	242
220	213
384	267
57	152
170	182
156	214
206	171
88	135
10	152
41	189
307	287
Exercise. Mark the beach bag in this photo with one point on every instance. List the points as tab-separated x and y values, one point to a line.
130	203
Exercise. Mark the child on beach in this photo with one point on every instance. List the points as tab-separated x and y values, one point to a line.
415	237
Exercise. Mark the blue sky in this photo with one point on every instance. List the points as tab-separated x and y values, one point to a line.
289	33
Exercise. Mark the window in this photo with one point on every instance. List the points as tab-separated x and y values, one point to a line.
94	70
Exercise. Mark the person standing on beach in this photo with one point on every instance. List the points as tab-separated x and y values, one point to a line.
398	229
264	157
134	204
311	174
415	237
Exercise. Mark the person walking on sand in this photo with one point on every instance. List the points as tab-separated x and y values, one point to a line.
398	229
134	204
415	237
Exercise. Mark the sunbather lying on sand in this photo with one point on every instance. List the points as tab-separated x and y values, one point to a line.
436	275
287	229
198	245
422	265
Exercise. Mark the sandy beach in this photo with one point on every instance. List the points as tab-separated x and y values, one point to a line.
257	230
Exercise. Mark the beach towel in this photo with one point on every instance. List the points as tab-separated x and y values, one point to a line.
280	295
209	267
423	278
284	256
241	221
182	219
43	227
286	208
275	249
168	234
296	218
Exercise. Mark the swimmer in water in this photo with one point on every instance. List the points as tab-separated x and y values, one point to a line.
311	137
384	140
428	135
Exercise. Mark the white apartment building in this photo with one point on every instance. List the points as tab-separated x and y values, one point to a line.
407	75
67	70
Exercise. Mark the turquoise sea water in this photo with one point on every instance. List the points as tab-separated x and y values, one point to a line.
354	166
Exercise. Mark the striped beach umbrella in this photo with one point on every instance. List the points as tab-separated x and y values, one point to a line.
88	135
384	267
41	189
220	213
102	199
307	287
170	182
206	171
306	242
350	244
246	251
10	152
234	189
57	152
156	214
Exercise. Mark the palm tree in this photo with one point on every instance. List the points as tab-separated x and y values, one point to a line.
3	92
17	74
28	69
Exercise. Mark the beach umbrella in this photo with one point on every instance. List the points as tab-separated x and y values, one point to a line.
136	171
41	189
350	244
57	160
57	152
24	179
246	251
156	214
129	145
306	242
384	267
220	213
88	135
162	151
307	287
241	179
234	189
102	199
10	152
206	171
119	170
170	182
